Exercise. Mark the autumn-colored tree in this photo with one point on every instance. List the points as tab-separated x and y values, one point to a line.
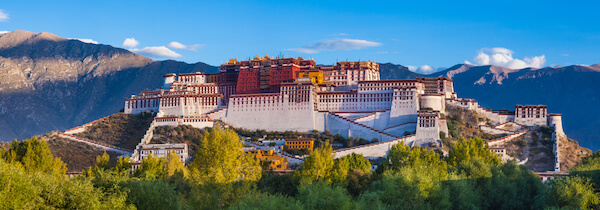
221	170
151	168
173	165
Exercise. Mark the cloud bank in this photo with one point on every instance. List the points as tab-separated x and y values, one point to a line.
91	41
177	45
3	32
160	51
130	43
500	56
3	16
336	45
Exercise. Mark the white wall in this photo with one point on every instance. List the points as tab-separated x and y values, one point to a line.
373	151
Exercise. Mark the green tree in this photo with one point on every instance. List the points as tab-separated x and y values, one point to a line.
319	165
102	161
465	150
152	194
401	155
151	168
357	162
267	201
590	168
21	189
283	184
319	195
407	188
123	165
573	193
35	156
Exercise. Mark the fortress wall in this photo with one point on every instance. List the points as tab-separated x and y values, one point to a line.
299	117
219	114
198	124
320	121
491	130
399	130
427	135
443	126
346	127
436	102
508	126
502	118
374	150
357	130
336	125
555	121
382	120
512	136
556	138
353	115
403	111
368	120
81	128
378	120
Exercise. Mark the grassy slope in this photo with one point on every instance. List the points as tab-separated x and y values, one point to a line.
121	130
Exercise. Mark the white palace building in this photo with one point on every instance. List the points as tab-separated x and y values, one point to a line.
289	94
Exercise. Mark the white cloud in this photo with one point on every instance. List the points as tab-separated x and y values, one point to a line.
503	57
177	45
130	43
424	69
3	16
86	40
336	45
3	32
411	68
160	51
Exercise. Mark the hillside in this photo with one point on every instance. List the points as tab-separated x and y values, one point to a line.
572	91
52	83
120	130
395	71
78	156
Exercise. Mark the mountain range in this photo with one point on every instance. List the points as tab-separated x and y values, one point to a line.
51	83
573	91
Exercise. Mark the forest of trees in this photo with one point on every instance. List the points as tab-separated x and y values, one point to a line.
222	176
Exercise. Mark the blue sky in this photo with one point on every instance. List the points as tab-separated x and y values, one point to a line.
416	33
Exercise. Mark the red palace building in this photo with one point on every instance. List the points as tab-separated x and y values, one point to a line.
259	75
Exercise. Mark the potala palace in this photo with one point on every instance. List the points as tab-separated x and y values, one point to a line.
294	94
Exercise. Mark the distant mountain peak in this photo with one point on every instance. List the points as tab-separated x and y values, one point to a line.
15	38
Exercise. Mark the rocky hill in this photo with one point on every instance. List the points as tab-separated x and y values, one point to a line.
395	71
51	83
573	91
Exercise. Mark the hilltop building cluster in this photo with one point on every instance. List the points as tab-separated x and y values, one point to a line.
295	94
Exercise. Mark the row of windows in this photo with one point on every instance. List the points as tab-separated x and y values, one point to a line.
161	151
